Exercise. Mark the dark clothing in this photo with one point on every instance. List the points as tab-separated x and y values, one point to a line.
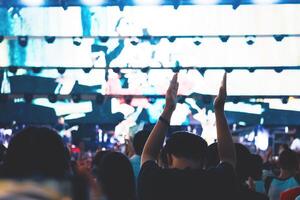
155	183
246	194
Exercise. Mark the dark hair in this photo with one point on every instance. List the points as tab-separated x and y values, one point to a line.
139	141
116	177
212	157
186	145
256	167
242	157
288	160
36	151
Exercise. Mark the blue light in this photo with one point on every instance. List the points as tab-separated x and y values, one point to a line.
33	2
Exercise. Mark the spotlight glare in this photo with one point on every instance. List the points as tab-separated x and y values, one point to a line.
92	2
33	2
265	1
147	2
206	2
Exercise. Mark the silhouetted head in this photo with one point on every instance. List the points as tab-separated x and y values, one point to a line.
115	175
288	160
139	141
256	167
184	149
242	158
36	151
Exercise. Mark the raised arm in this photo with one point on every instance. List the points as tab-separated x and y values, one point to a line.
225	144
157	136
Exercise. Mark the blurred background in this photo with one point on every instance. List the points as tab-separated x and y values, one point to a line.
97	70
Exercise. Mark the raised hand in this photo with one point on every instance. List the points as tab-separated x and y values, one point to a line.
171	95
221	97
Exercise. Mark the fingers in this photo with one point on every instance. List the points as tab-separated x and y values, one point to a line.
224	82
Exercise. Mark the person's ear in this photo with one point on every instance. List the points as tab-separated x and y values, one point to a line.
170	160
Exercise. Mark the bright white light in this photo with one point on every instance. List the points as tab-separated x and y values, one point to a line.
206	2
148	2
33	2
92	2
243	107
262	139
265	1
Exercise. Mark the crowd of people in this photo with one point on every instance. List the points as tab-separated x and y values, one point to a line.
182	166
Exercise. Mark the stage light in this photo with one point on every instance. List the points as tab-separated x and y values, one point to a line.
201	71
103	38
1	38
117	70
250	39
92	2
134	41
33	2
61	70
279	38
77	41
13	69
145	69
224	38
236	4
177	67
121	5
228	69
49	39
87	69
23	41
278	69
285	100
171	38
52	98
76	98
176	4
251	69
147	2
36	70
197	40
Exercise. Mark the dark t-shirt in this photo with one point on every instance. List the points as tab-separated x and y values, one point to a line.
155	183
246	194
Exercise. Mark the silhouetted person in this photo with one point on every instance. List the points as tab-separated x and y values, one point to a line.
115	176
36	152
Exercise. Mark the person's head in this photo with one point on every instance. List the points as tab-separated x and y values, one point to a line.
242	157
256	167
139	141
36	151
184	149
288	160
115	176
212	157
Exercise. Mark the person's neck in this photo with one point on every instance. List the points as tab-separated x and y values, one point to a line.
284	174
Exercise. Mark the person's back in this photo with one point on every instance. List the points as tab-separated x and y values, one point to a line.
115	176
183	176
287	179
139	141
160	184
